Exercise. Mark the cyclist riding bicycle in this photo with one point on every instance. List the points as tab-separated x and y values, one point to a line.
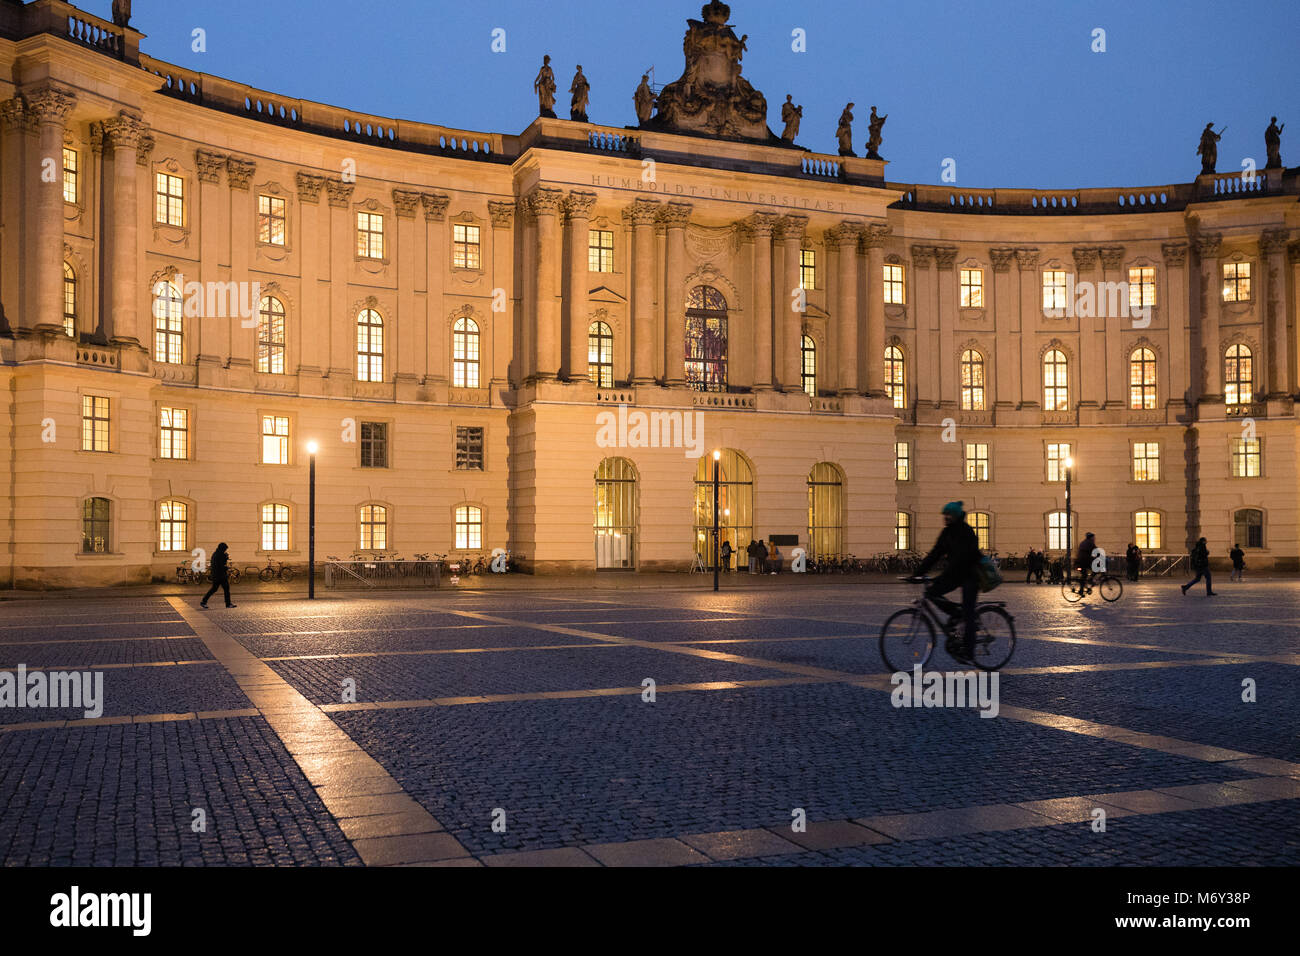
958	543
1083	560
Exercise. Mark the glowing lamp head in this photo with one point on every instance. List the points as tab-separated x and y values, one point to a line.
312	447
1069	463
717	456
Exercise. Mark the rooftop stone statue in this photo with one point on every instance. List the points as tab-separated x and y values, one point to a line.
873	136
644	99
845	132
1209	148
581	91
544	87
1273	144
790	116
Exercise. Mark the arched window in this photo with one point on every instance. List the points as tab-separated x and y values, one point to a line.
1146	530
270	335
1142	379
464	354
808	352
469	528
902	531
1238	388
895	376
972	381
95	525
370	346
1248	528
69	301
374	528
706	340
1056	534
168	324
275	527
1056	385
735	504
615	524
981	522
173	526
825	510
600	355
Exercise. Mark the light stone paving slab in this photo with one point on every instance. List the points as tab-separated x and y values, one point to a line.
1146	801
737	844
560	857
831	834
660	852
944	823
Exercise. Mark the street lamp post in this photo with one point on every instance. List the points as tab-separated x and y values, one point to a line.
717	455
1069	545
311	521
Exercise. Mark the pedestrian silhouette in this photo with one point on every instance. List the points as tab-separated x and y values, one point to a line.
220	565
1201	565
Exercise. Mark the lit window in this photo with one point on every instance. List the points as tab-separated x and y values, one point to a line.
808	354
69	175
600	355
1056	390
1053	289
168	324
270	335
173	526
600	250
1238	388
1146	530
1056	455
977	461
807	269
1247	460
1141	288
972	288
464	354
902	531
895	292
706	340
902	461
1236	282
169	200
94	423
275	440
271	220
1248	528
174	433
370	346
1142	379
825	510
465	247
469	528
469	448
69	301
972	381
275	527
895	382
374	445
370	235
94	525
1056	535
979	521
374	527
1146	461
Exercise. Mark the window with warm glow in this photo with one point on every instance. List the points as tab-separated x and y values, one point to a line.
895	376
902	461
972	381
1054	289
275	527
169	200
464	354
1141	287
980	522
270	336
370	235
1142	379
902	531
1238	377
374	528
977	461
174	433
173	526
370	346
1056	387
94	423
972	288
70	186
1146	530
895	288
1247	458
600	355
1057	452
168	324
469	528
807	269
1236	282
271	220
600	250
465	253
1146	461
808	360
275	440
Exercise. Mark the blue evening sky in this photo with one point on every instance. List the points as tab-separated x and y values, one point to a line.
1010	89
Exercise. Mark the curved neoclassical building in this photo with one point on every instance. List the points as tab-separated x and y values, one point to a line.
537	341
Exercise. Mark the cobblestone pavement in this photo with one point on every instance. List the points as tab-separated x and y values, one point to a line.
513	727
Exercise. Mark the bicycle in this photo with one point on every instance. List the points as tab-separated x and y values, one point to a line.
907	636
1108	585
269	573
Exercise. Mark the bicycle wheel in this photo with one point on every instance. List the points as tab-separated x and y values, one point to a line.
995	637
235	574
1111	588
906	639
1072	591
266	575
287	573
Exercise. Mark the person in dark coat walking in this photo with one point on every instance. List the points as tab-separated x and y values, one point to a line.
752	552
1201	565
220	565
1238	563
958	543
1031	561
1133	561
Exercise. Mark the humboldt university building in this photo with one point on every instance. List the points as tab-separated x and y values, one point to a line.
538	342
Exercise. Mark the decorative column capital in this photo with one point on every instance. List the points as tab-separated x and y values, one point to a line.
502	212
1002	259
1207	246
676	214
239	172
643	212
922	256
1293	252
50	103
844	234
209	165
1027	259
944	257
1085	257
144	148
405	201
1175	253
874	235
1112	257
791	228
762	224
435	206
13	114
123	131
340	193
1273	241
309	186
578	205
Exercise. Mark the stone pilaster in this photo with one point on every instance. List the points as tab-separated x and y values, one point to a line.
643	213
675	216
1207	248
790	363
1272	256
49	105
577	213
873	240
125	325
1174	305
1030	303
544	205
437	370
844	238
761	223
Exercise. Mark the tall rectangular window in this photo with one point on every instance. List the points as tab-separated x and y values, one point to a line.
174	433
95	525
469	528
1146	529
972	288
600	250
275	440
275	527
94	423
374	444
902	461
895	290
469	448
1053	289
1247	460
70	190
1056	534
169	200
173	526
465	247
807	269
977	461
370	235
902	531
1141	287
270	220
981	525
1056	455
1236	282
1146	461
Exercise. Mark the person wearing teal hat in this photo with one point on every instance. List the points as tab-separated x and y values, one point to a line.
957	542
